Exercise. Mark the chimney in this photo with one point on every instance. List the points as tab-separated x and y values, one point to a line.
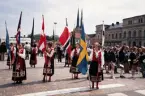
117	23
112	24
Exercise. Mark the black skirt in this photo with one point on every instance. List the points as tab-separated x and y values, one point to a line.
73	68
95	76
19	75
49	70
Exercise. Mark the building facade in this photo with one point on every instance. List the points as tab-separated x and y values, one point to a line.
134	31
131	32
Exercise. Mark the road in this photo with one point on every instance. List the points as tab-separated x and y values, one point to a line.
63	85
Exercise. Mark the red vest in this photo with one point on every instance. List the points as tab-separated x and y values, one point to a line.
47	59
75	53
97	59
20	60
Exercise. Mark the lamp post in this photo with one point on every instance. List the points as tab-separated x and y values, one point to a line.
54	29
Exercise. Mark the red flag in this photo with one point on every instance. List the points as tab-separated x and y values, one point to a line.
42	41
64	39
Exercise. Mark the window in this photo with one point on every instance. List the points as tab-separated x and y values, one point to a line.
112	36
139	33
134	34
120	35
144	33
124	34
140	20
129	34
109	36
116	36
129	22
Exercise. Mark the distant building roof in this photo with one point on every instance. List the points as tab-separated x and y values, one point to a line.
91	35
119	25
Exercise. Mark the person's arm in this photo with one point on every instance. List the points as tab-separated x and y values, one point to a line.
72	54
51	54
91	56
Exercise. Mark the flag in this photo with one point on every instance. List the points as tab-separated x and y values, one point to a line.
83	57
103	34
64	39
32	33
18	35
78	23
42	41
7	40
73	43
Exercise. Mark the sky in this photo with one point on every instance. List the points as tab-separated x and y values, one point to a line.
94	12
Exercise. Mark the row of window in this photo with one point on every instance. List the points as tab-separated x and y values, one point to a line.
140	20
124	35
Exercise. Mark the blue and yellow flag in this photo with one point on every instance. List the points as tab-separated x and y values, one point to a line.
83	57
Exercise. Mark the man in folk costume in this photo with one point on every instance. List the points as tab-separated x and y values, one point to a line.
142	62
74	56
19	69
48	69
96	65
121	61
112	61
133	61
33	57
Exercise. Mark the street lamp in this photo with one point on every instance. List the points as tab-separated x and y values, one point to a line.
54	29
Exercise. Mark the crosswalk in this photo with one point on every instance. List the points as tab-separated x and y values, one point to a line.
128	93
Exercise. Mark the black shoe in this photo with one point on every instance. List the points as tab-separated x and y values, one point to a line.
122	76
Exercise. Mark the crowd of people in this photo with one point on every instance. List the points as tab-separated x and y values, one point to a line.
126	59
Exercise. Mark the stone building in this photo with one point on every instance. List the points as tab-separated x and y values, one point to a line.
113	34
131	32
134	31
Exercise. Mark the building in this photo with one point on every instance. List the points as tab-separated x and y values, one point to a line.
131	32
134	31
113	34
13	40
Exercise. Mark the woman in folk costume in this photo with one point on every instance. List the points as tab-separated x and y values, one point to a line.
74	56
11	56
126	61
33	57
142	62
96	58
48	69
19	67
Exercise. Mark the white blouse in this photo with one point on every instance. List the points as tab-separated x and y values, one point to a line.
72	53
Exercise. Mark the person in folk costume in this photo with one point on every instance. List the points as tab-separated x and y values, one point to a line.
142	62
67	59
11	57
27	50
112	61
106	56
48	69
121	61
19	68
59	53
74	57
96	65
133	60
126	61
33	56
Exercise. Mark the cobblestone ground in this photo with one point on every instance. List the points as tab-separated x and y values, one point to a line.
61	80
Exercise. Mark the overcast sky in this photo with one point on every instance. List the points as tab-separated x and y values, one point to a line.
57	10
